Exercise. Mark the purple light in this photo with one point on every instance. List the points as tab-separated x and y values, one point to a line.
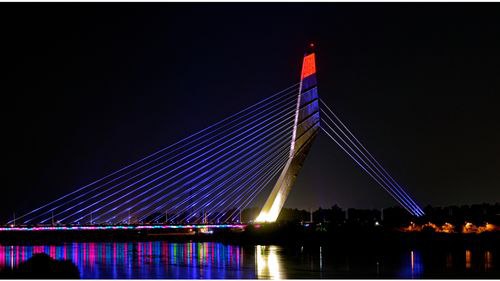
144	185
206	165
264	181
119	227
241	185
392	182
287	91
362	167
253	155
283	158
401	198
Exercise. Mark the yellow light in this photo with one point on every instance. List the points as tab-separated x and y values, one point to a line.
273	213
261	263
487	260
468	259
267	261
273	263
412	261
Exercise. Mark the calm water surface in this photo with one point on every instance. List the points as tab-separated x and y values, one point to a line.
160	259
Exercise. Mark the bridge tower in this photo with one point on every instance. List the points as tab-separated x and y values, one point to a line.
305	129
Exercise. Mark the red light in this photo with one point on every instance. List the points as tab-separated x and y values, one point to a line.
308	66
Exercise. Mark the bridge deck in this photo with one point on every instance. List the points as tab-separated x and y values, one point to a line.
119	227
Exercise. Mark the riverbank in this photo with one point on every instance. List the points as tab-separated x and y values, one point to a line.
285	234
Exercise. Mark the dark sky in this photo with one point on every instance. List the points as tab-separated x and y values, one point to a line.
87	88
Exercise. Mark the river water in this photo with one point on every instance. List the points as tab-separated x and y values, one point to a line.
211	260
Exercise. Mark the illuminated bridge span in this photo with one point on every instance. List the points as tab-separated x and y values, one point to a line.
213	174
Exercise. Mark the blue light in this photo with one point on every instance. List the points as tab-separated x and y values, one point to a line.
206	165
253	152
144	185
277	96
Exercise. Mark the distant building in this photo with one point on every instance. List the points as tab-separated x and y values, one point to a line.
363	216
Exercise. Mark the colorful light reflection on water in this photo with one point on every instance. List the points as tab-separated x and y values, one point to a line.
212	260
412	265
156	259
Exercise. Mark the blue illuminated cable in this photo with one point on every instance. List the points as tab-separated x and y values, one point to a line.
367	169
261	177
262	173
251	112
185	184
230	188
384	173
362	167
372	173
376	171
218	196
201	161
260	129
191	188
202	198
253	159
254	165
224	133
257	190
395	186
398	198
178	210
373	158
159	151
260	118
371	167
262	182
74	206
283	153
218	164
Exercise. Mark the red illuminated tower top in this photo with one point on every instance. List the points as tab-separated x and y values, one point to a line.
309	63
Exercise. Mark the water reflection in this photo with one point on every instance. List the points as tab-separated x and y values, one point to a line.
487	260
139	260
449	261
161	259
412	265
268	266
467	259
320	259
416	264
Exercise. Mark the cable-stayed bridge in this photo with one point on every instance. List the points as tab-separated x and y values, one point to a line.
210	176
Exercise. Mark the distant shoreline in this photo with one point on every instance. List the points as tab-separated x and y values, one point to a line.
278	234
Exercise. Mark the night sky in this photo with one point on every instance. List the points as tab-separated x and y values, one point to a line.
87	88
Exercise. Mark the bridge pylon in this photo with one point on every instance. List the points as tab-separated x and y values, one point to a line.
305	129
